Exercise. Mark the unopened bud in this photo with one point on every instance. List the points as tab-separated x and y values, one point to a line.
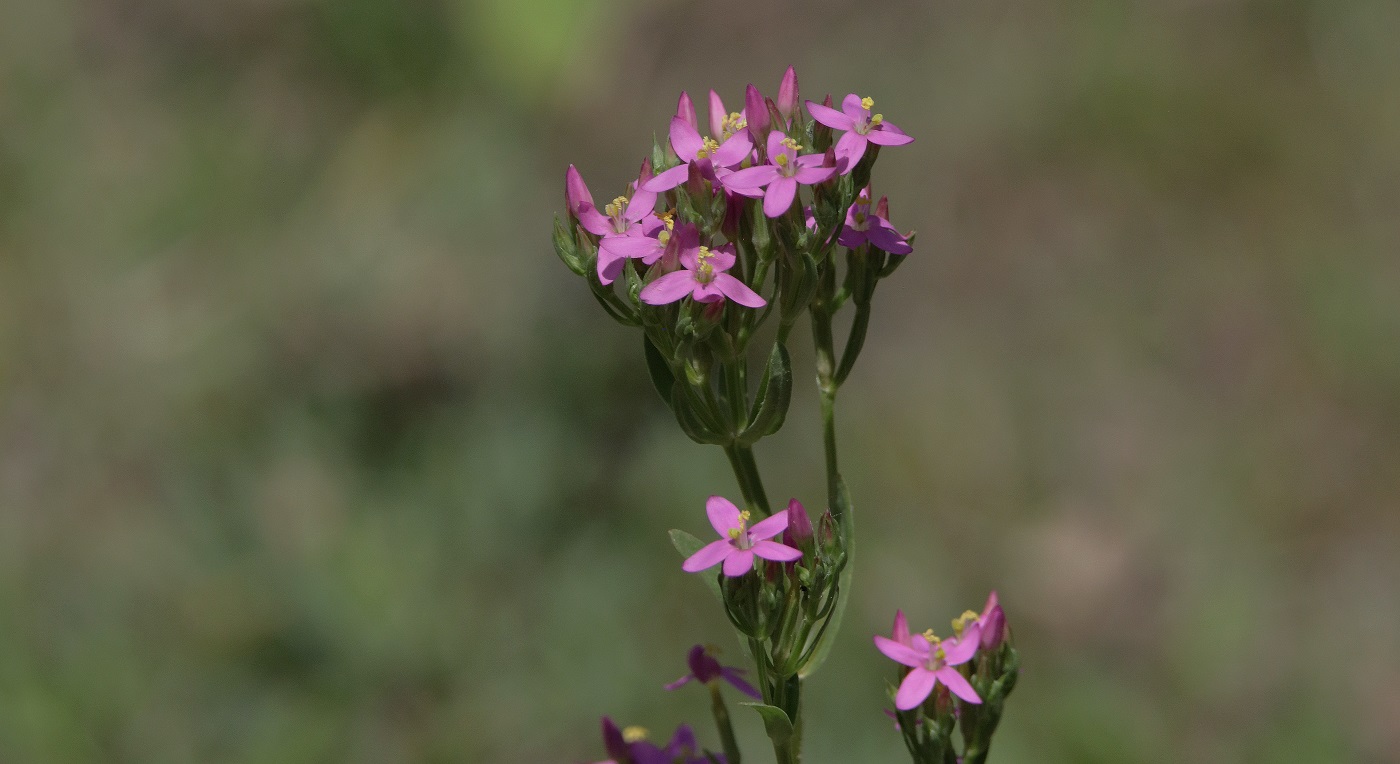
799	533
828	535
787	94
993	620
756	114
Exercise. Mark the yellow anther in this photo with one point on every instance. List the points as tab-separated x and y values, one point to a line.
877	119
743	516
664	236
708	147
867	102
616	206
792	144
634	734
780	160
939	655
734	533
733	123
931	637
960	623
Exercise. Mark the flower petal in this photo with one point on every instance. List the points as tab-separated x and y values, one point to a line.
685	109
733	151
852	107
883	235
850	147
775	144
750	177
575	190
779	196
957	684
643	203
669	288
769	527
900	630
609	264
961	650
685	140
679	682
717	115
724	516
594	221
709	556
630	246
738	291
886	134
732	676
850	238
667	179
900	652
722	258
813	175
914	689
772	550
830	117
739	562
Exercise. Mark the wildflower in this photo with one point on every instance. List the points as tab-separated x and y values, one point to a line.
864	226
630	746
860	126
785	169
705	669
739	542
703	279
932	660
620	218
707	153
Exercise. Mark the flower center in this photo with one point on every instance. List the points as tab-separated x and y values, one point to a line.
669	219
634	734
705	273
960	623
614	210
936	656
707	148
740	534
732	123
866	123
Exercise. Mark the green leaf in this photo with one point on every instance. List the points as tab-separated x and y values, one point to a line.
774	394
660	371
694	417
687	545
776	722
842	512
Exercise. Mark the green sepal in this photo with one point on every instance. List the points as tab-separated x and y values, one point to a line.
691	416
774	395
658	155
842	513
688	545
775	721
659	371
566	249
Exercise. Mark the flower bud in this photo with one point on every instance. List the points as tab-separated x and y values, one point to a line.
685	109
993	621
575	192
756	114
799	532
828	535
787	94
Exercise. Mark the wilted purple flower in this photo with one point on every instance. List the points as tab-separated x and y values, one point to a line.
705	669
932	661
860	126
703	279
785	169
863	225
739	542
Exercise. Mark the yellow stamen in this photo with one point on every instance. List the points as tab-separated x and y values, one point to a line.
710	146
733	123
780	160
939	655
616	206
664	237
634	734
960	623
877	119
867	102
931	637
792	144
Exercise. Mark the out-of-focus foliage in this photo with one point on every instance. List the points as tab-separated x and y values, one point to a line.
311	451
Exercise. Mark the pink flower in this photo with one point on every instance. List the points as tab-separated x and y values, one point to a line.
781	175
860	127
862	225
708	153
739	542
932	661
620	218
703	279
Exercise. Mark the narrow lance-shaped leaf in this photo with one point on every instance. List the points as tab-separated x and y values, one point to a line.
774	395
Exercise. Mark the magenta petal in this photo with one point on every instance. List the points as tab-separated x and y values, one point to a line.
957	684
775	144
724	516
830	117
888	239
717	115
706	293
722	258
685	140
769	527
813	175
630	246
739	562
850	147
575	190
899	652
886	134
738	291
779	196
851	106
669	288
643	203
708	556
685	109
732	676
609	263
850	238
733	151
772	550
961	650
914	689
750	177
679	682
594	221
667	179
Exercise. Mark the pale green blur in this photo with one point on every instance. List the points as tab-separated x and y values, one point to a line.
311	451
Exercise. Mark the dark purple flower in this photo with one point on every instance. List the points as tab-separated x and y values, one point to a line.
860	126
705	669
863	225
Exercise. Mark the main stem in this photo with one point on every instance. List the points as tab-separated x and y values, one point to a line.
746	472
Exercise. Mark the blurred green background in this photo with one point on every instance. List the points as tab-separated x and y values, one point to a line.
311	451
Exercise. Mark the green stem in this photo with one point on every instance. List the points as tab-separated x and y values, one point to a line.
726	730
746	472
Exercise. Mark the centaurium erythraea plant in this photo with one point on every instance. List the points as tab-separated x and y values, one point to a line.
715	252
